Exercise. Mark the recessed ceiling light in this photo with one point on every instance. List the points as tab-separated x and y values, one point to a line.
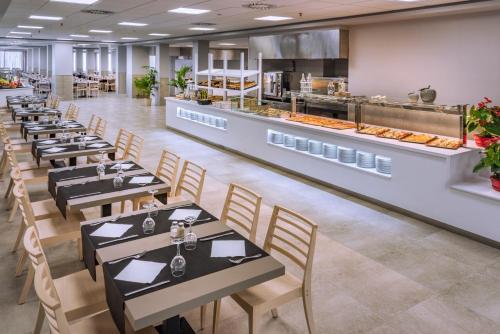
30	27
201	28
129	38
133	24
100	31
20	32
48	18
273	18
80	36
158	34
227	44
79	2
191	11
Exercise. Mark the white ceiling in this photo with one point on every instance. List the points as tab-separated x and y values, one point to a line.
227	15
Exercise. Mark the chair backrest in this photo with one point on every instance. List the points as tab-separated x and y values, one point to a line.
294	236
46	292
191	181
48	102
134	148
167	168
55	102
33	247
100	128
121	142
22	197
242	207
11	155
92	123
72	112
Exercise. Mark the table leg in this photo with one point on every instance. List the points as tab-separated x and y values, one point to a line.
72	161
52	135
35	137
106	210
176	325
111	156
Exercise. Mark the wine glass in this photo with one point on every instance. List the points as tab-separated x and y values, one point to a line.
178	263
118	179
154	206
190	239
101	167
82	144
148	225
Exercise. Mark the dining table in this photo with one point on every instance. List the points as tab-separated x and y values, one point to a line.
25	101
50	128
141	290
78	187
34	113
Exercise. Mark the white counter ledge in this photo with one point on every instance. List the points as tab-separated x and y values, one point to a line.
419	179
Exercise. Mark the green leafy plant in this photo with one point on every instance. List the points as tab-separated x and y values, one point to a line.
180	81
147	82
491	160
485	119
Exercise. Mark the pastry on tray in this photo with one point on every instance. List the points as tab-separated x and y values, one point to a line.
450	143
394	134
324	122
420	138
373	130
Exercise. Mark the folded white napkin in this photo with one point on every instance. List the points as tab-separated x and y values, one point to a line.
48	142
72	126
54	149
228	248
140	271
181	214
89	138
109	230
97	145
124	166
141	179
37	128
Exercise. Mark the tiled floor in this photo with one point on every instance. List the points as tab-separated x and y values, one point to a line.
375	271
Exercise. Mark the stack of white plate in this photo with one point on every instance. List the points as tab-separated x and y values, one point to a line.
276	138
346	155
315	147
224	123
301	144
289	141
330	151
365	159
212	121
383	164
194	116
219	122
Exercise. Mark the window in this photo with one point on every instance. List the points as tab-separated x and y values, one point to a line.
110	66
11	59
84	62
74	61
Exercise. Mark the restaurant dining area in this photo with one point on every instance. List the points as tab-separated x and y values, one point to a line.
250	167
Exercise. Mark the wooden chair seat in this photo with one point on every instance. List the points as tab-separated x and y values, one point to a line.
18	141
27	165
80	295
35	176
101	324
21	148
56	229
48	209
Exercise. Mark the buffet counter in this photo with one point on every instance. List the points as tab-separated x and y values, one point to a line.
415	178
4	92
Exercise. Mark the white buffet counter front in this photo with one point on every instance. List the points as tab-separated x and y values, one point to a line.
4	92
430	182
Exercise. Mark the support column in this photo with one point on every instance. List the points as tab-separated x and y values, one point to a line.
91	61
36	60
79	60
162	59
137	57
62	70
43	61
29	61
49	61
200	55
104	60
121	70
114	59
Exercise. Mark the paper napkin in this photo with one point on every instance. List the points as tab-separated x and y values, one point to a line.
181	214
54	149
141	179
140	271
97	145
228	248
124	166
109	230
48	142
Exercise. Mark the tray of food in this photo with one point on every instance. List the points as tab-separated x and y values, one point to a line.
449	143
418	138
373	130
324	122
394	134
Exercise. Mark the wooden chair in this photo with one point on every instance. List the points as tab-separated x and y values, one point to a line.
51	304
121	144
190	182
94	88
72	112
100	129
55	101
94	119
134	148
294	237
81	89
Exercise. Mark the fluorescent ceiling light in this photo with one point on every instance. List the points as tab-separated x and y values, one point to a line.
201	28
129	38
158	34
30	27
226	44
108	41
20	32
79	2
273	18
13	36
64	39
80	36
83	44
191	11
133	24
48	18
100	31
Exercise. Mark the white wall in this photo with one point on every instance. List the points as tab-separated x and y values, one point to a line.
459	56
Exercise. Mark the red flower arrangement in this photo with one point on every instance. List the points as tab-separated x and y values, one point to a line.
485	119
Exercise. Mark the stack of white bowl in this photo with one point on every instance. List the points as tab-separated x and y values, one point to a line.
383	164
219	122
301	144
330	151
194	116
365	159
212	120
289	141
276	138
315	147
346	155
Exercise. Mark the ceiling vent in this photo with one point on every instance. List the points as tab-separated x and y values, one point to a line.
259	5
97	12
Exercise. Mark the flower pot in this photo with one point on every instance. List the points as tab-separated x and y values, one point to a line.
495	183
485	141
147	102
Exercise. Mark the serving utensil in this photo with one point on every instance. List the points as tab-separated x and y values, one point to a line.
135	256
146	288
216	236
118	239
85	195
238	261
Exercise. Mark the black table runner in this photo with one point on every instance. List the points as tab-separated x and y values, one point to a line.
68	148
91	244
53	128
198	264
35	144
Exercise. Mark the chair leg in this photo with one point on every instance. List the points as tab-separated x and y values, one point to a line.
3	163
13	212
252	323
20	263
306	300
27	285
80	249
274	312
215	321
20	235
122	207
203	312
39	319
9	188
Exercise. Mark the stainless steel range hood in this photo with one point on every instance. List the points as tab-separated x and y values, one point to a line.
317	44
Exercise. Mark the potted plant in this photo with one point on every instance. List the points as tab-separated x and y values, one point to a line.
146	84
485	119
491	159
180	82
